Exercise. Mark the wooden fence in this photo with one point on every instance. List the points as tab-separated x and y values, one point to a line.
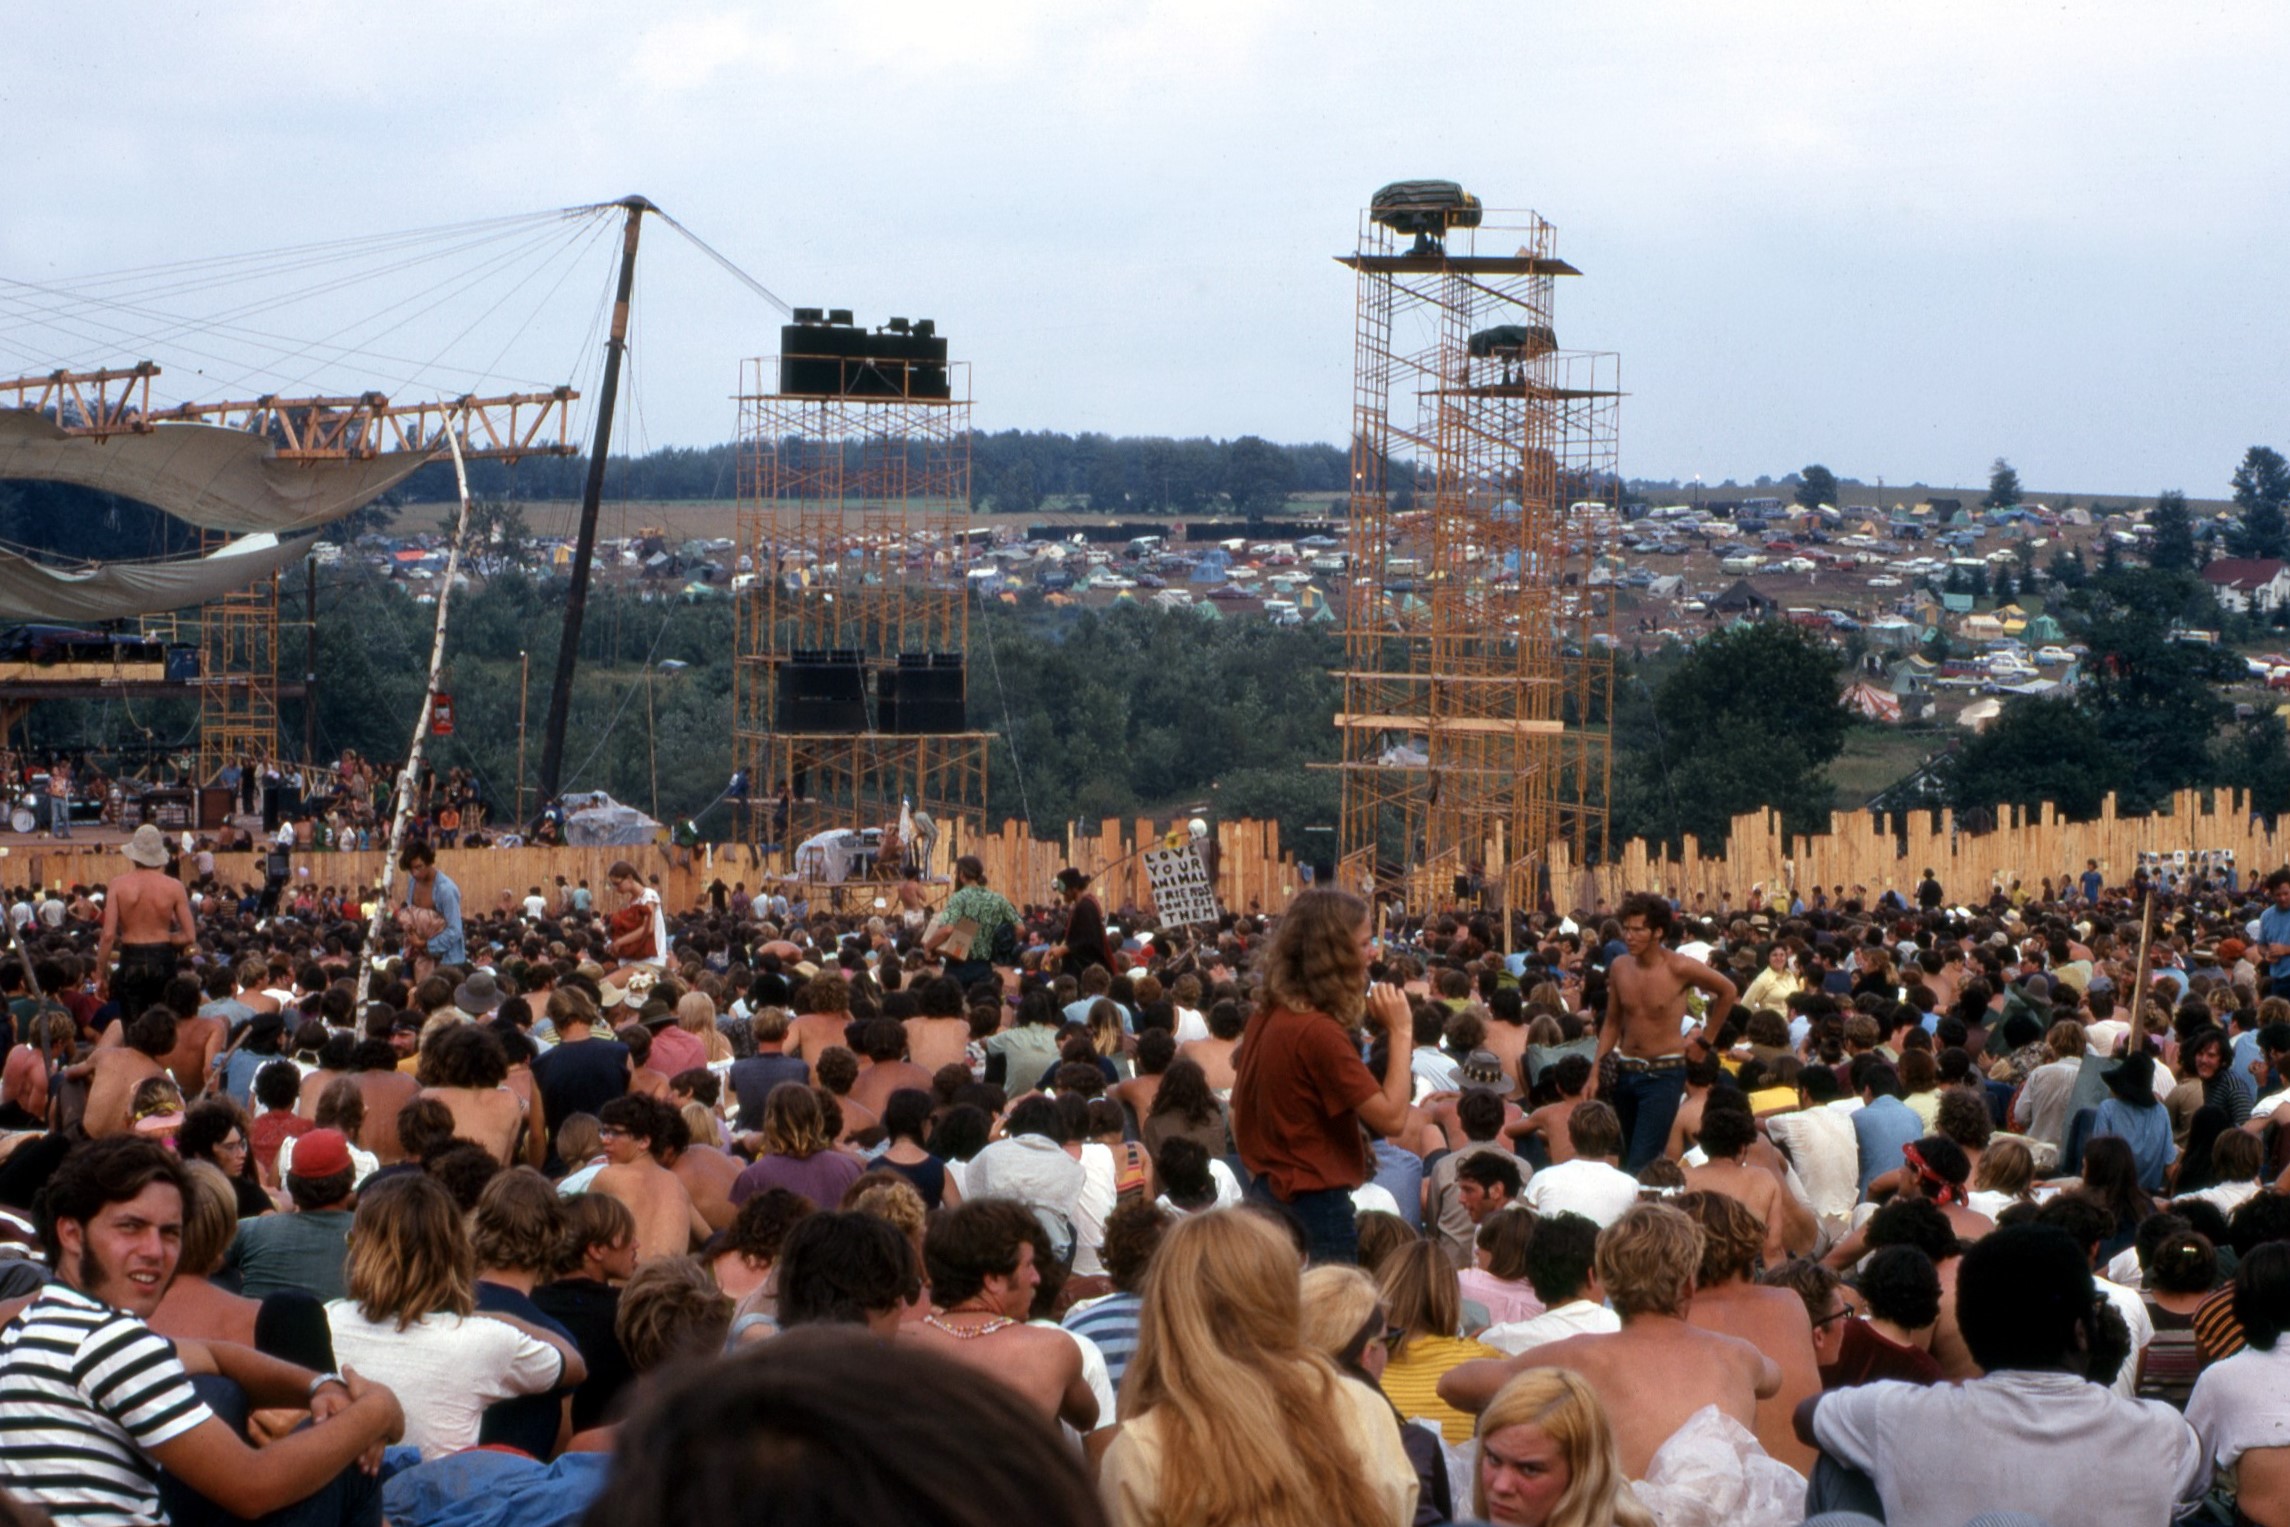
1251	870
1893	851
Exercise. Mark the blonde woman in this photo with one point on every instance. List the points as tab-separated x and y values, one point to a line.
1423	1299
1229	1417
411	1320
1547	1458
1344	1318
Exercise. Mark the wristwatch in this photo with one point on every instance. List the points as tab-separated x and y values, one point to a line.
323	1380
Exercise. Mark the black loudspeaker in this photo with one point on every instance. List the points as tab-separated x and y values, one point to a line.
887	712
182	663
930	693
822	696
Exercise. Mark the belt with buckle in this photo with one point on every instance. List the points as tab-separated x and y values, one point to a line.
1673	1062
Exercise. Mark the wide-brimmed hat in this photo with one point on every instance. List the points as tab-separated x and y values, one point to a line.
2132	1079
1482	1069
479	994
147	848
656	1014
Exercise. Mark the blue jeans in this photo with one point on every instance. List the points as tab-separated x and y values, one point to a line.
1647	1104
1331	1229
60	815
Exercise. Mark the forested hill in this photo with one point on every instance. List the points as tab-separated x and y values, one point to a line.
1011	472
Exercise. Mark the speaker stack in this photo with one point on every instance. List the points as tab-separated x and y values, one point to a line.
822	690
922	695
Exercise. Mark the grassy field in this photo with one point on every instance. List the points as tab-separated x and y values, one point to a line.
1875	756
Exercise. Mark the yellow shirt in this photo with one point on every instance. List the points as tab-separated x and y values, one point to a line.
1412	1382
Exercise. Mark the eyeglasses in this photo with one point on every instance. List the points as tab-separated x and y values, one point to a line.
233	1143
1832	1317
612	1132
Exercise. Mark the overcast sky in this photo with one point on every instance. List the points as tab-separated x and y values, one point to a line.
1898	239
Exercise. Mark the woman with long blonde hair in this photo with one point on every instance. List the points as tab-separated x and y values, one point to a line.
411	1320
1547	1458
1229	1417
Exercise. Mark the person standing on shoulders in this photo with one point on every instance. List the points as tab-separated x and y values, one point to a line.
147	919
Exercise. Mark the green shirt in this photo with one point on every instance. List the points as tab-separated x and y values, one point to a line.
989	909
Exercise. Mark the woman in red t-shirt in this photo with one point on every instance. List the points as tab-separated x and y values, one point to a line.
1301	1092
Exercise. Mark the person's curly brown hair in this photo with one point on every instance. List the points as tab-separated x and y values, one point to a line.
1313	962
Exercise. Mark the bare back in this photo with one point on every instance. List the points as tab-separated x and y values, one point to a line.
813	1034
1774	1321
1043	1366
111	1089
148	907
1214	1057
1754	1188
663	1209
935	1042
1656	1372
197	1041
876	1084
489	1116
707	1175
385	1092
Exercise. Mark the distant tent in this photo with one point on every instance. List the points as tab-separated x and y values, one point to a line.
1871	702
1976	716
1741	599
594	819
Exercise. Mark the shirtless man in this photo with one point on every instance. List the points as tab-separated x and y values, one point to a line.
940	1034
706	1173
148	920
1727	1135
1702	1073
1646	1263
198	1040
1572	1075
386	1089
1214	1055
1729	1301
982	1278
114	1074
883	1045
1645	1008
826	1004
635	1130
469	1067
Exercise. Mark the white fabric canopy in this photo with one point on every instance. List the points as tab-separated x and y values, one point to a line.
219	479
32	590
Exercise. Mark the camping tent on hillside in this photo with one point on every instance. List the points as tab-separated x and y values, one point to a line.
1871	702
1741	599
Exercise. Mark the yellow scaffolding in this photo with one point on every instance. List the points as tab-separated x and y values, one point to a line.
1478	630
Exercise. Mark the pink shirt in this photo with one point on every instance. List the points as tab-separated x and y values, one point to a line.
1503	1300
673	1050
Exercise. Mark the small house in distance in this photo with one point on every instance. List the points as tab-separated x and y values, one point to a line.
2249	584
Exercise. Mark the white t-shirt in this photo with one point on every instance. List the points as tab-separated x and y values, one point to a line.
1598	1192
444	1369
1100	1191
1576	1317
2242	1402
2049	1444
1825	1153
2133	1309
536	907
1191	1025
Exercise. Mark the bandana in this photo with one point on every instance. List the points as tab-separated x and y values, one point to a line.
1941	1190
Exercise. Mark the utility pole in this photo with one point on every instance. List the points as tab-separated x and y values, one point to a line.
524	689
584	548
310	666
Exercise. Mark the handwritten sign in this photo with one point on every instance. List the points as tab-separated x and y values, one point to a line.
1182	890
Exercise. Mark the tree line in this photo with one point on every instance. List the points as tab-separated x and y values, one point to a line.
1011	472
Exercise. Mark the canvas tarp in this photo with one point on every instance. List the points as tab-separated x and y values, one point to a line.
32	590
215	478
594	819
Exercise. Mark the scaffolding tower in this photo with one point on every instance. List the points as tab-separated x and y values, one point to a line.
853	506
1478	629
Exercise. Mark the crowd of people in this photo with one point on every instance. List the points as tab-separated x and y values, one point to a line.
582	1207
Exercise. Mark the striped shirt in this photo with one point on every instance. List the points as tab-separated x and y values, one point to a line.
1111	1322
86	1392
